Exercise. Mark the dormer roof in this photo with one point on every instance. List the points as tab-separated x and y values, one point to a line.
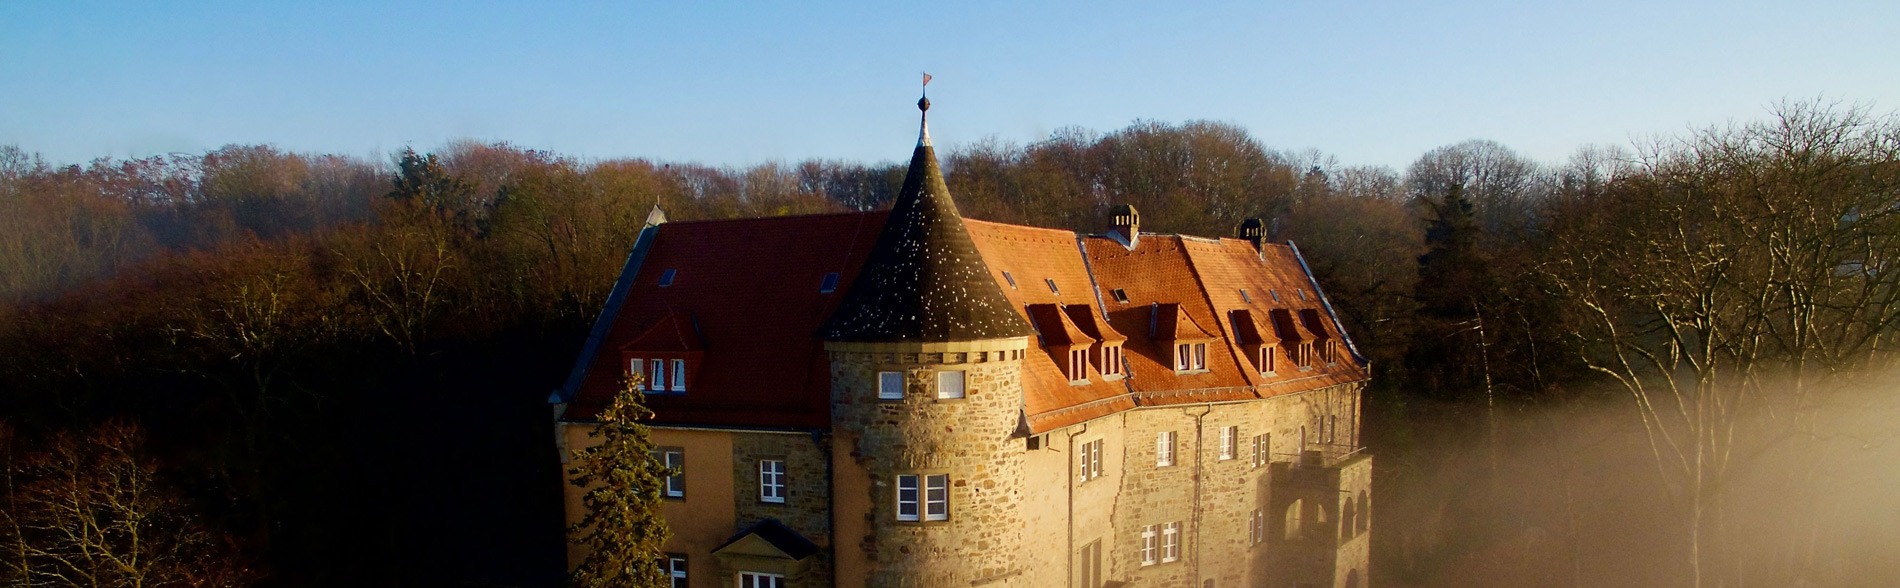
1252	329
1170	323
1055	328
674	332
1094	326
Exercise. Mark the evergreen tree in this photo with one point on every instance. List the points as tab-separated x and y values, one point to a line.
623	531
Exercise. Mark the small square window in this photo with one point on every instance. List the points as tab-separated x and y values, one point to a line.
829	284
666	277
1120	295
950	384
890	385
1052	286
1011	279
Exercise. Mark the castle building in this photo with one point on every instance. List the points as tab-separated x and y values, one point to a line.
913	399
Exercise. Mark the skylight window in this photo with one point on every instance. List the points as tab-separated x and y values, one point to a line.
1301	292
666	277
1275	294
830	284
1011	279
1244	296
1120	295
1052	286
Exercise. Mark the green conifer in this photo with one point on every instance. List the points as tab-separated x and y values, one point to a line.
623	531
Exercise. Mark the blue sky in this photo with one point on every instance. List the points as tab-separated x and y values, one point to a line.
738	83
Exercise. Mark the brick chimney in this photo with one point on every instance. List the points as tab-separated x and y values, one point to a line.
1127	224
1254	231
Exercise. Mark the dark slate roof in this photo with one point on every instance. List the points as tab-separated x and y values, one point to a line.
924	280
780	536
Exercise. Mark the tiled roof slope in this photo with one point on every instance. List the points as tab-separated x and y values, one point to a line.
1034	258
750	291
751	288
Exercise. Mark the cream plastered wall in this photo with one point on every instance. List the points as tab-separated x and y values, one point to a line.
701	521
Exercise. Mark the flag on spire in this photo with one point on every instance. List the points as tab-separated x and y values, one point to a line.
926	79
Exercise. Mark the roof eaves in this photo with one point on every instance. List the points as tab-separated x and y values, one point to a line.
605	322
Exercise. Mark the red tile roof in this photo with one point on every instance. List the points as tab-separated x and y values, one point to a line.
749	289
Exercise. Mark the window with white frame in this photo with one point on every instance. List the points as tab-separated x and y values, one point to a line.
890	385
760	580
1079	365
1150	546
1089	460
674	458
937	497
1170	542
657	375
950	384
772	480
638	366
679	375
1257	527
1260	447
1189	357
1164	448
1111	360
928	501
676	570
1266	359
1227	440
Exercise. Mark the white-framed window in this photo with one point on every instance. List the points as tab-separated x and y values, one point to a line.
1079	365
1260	448
930	502
1150	546
760	580
890	385
1189	357
772	480
657	375
1089	460
679	375
639	366
674	458
1228	437
1170	542
1266	359
950	384
1257	527
908	502
1111	360
1164	448
676	570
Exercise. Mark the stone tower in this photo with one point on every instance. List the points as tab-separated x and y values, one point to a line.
927	396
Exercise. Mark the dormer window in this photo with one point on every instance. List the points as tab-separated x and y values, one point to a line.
659	375
1111	366
1190	357
1266	359
666	277
829	284
1078	365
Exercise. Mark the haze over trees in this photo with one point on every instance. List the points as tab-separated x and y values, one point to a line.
1660	365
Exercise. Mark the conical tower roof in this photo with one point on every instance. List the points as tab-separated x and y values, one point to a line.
924	281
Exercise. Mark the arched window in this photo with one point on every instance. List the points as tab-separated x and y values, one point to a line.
1348	521
1365	512
1293	512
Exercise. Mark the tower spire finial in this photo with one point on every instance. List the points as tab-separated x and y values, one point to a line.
923	106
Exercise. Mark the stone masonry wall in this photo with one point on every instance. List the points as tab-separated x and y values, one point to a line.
971	439
807	506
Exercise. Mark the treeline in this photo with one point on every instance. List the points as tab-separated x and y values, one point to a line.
337	368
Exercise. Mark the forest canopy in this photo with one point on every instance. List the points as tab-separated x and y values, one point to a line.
336	368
